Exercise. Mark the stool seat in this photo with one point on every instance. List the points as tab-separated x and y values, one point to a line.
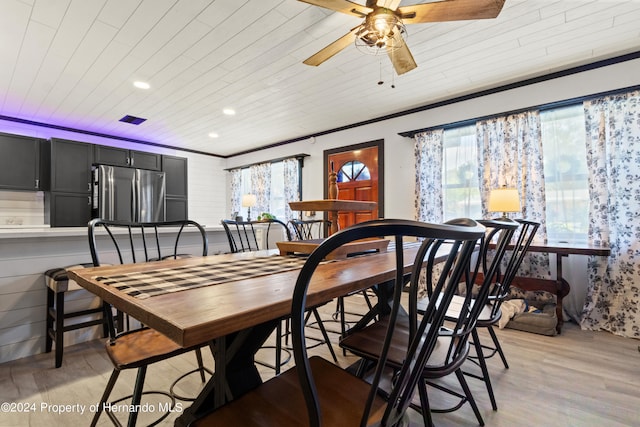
57	280
58	283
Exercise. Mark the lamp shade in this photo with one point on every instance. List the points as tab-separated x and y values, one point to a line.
504	200
248	200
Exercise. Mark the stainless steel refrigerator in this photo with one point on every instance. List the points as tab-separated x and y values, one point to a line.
127	194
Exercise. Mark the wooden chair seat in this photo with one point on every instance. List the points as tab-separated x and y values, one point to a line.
368	342
140	348
341	396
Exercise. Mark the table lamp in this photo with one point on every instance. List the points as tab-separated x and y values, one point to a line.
248	201
504	200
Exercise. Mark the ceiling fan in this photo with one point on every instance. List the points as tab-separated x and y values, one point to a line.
383	27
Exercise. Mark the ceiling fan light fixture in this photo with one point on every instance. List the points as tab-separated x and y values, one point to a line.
381	31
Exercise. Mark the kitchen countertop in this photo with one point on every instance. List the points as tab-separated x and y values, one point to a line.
25	232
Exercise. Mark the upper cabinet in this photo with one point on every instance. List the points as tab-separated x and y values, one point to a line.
129	158
175	169
71	166
23	163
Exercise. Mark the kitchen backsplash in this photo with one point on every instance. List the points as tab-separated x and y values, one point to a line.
21	208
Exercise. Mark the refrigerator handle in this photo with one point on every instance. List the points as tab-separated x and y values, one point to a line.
134	200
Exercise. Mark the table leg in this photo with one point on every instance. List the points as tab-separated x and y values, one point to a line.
235	370
558	286
562	290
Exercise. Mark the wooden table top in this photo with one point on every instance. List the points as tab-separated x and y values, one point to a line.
332	205
199	315
570	248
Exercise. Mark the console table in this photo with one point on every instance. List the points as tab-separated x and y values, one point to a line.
333	206
558	286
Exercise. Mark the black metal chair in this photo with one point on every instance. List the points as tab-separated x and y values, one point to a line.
453	345
317	392
308	229
242	237
315	229
499	291
140	347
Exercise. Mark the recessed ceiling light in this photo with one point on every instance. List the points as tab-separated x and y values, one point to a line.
229	111
141	85
213	135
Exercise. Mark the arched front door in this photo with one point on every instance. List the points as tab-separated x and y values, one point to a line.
359	169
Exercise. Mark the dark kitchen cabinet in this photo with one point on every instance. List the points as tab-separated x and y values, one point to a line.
114	156
71	166
69	209
175	169
69	201
176	208
23	163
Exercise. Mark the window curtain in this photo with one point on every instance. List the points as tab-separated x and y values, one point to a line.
291	186
261	188
510	154
236	190
428	152
613	159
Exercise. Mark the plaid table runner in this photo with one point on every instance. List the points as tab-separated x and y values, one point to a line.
165	280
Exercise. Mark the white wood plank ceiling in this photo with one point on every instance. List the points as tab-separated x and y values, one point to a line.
72	63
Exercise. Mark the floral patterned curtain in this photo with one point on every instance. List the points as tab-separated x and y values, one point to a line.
291	186
236	190
428	151
510	154
261	187
613	160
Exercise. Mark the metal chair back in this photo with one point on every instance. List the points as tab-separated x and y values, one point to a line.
461	237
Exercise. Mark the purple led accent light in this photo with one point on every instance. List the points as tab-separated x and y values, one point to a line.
101	135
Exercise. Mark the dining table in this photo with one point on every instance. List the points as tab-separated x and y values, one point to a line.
233	302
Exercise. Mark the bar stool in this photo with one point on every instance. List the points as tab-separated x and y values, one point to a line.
58	284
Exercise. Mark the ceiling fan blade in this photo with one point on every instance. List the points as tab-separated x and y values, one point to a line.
402	59
450	10
344	6
389	4
333	48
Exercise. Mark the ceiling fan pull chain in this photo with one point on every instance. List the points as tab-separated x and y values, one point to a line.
393	78
380	82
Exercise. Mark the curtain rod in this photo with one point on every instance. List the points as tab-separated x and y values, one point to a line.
542	107
300	157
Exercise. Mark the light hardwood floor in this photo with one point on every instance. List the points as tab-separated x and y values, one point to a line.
579	378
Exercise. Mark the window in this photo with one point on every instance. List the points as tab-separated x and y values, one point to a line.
277	198
565	173
460	174
353	171
277	201
565	169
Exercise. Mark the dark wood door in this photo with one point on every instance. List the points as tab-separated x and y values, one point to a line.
358	176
